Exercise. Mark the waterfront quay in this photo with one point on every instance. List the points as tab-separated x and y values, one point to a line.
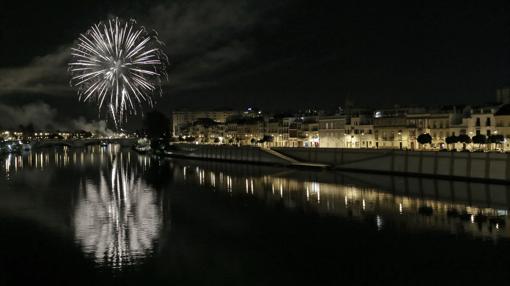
494	167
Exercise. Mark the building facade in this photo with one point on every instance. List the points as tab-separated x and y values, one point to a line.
181	120
359	132
397	128
332	131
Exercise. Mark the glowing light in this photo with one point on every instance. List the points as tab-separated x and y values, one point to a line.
379	222
315	188
118	219
229	184
8	163
213	179
119	65
201	177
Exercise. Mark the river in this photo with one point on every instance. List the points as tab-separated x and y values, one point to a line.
109	216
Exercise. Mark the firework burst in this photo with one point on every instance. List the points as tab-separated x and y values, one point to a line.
119	65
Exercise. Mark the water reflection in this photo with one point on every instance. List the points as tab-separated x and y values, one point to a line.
116	215
118	219
364	198
60	157
115	204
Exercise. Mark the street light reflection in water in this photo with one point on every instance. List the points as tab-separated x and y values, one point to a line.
117	214
483	211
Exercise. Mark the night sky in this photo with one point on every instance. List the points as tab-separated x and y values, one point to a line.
276	55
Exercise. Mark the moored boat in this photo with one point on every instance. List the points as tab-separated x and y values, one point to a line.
143	145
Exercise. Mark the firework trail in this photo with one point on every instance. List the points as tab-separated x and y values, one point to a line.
118	65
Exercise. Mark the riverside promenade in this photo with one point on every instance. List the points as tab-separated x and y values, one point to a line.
489	167
244	154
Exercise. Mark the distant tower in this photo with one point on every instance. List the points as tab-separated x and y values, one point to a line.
503	95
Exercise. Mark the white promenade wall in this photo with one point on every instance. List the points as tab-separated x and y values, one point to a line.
490	166
231	153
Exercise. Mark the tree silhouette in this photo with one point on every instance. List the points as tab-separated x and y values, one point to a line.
497	139
479	139
451	139
464	139
424	138
156	125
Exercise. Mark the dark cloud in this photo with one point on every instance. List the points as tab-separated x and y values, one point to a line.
44	74
202	37
205	39
194	27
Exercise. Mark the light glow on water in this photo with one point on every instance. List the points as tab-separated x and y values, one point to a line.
118	219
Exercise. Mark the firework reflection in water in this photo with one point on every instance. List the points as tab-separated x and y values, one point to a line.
118	220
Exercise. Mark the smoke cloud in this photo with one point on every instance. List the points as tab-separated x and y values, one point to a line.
40	115
96	127
44	117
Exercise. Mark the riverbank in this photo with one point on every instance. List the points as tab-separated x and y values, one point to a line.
483	167
488	167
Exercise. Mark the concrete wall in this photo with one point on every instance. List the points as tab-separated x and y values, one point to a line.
491	166
230	153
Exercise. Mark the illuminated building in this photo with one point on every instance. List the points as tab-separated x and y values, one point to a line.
502	118
182	119
391	131
359	132
332	131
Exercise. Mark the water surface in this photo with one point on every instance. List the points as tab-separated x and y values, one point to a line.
107	216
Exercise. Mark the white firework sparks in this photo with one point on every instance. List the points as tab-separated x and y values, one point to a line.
118	65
